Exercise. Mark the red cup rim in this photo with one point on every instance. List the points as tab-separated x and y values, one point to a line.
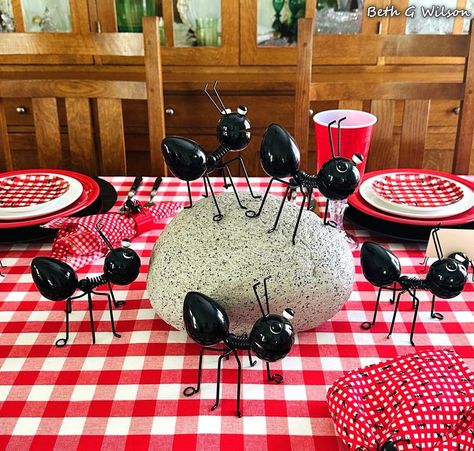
371	119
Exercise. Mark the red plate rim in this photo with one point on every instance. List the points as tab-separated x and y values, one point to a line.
358	203
90	193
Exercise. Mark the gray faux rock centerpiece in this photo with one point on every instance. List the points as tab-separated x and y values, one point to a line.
223	260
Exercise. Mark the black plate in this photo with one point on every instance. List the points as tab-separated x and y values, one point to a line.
105	201
401	232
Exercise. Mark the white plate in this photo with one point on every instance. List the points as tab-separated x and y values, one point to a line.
34	211
409	211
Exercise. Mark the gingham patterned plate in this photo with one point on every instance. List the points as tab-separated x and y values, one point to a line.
35	194
435	196
417	190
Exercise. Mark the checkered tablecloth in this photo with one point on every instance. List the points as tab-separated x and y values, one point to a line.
126	393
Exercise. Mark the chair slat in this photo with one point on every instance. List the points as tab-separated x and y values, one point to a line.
413	138
462	162
156	103
303	80
168	21
381	155
48	134
351	104
6	160
81	137
111	132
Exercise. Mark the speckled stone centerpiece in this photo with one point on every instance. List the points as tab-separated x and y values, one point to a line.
223	260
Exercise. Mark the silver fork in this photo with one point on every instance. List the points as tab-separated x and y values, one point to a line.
153	192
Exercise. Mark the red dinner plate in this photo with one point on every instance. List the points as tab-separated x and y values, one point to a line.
89	194
360	204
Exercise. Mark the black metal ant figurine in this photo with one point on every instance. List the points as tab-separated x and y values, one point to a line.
445	279
56	280
207	323
280	157
389	445
188	161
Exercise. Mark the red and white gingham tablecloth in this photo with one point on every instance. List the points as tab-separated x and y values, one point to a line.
126	393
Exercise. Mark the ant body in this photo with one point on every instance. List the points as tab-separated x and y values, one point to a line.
207	323
280	157
445	279
56	280
188	161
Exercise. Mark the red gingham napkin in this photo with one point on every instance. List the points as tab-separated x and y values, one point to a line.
78	243
417	190
30	189
427	398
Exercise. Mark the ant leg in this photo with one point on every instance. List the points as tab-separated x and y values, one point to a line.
116	303
395	312
310	195
219	215
394	292
206	192
252	362
218	384
246	175
275	377
417	304
89	300
369	324
433	313
233	187
112	322
226	185
190	196
254	214
189	391
280	210
424	263
239	376
60	342
299	215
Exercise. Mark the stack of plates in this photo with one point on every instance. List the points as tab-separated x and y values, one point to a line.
29	198
408	203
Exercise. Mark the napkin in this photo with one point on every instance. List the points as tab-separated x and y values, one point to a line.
78	243
420	401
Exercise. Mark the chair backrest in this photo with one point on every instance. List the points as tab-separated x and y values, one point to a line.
87	101
381	92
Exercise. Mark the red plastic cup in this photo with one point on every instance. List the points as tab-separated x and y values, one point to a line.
356	133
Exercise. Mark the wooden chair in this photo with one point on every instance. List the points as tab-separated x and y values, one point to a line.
383	92
93	150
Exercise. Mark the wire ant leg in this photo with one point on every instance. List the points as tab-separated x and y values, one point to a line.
424	263
189	391
275	377
280	210
433	313
366	325
89	301
416	301
225	185
395	312
310	194
325	220
218	383
60	342
116	303
239	376
219	215
233	187
255	214
299	215
246	175
252	362
190	196
112	322
394	292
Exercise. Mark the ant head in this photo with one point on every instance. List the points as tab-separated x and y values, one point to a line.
185	158
462	258
122	265
233	129
446	278
380	266
206	322
279	153
272	336
54	279
389	446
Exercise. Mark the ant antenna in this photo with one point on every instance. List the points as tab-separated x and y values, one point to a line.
211	99
258	299
339	135
330	137
104	238
266	292
437	242
218	96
